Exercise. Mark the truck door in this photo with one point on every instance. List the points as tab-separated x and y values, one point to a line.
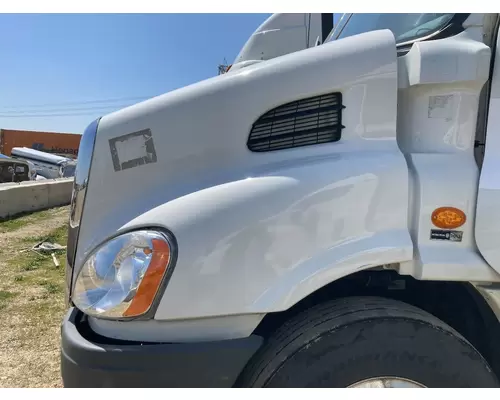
487	229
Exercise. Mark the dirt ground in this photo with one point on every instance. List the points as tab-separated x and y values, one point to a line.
31	300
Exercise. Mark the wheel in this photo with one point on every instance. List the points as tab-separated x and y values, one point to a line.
367	342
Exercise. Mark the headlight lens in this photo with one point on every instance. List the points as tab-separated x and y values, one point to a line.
122	277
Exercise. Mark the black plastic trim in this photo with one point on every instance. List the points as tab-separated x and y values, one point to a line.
306	122
326	25
116	363
454	27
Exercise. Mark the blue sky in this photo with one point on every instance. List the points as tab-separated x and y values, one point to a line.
55	59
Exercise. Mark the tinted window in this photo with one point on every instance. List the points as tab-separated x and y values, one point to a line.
405	27
69	170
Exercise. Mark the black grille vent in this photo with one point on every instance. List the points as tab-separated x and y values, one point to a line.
301	123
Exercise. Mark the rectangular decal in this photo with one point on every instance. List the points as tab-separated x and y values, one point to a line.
441	107
452	236
132	150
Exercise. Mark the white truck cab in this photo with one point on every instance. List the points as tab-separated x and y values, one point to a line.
283	34
328	217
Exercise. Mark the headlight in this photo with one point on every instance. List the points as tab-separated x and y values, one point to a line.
122	277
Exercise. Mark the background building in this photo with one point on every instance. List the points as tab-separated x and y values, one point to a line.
65	144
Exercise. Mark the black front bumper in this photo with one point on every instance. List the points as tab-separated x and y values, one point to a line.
88	360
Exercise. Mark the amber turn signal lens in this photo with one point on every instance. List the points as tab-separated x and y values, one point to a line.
448	218
150	283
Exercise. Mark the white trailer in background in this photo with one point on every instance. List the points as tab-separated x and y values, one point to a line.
49	166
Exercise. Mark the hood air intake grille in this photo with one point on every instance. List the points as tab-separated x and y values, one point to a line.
304	122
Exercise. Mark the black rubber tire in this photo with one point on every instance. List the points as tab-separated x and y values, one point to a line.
339	343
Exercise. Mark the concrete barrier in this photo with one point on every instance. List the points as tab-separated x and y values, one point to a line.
16	198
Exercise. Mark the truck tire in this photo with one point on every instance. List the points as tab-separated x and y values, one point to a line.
367	342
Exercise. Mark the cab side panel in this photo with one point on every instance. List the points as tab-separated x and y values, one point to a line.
488	201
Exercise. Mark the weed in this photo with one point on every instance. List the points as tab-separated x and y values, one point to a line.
32	264
5	295
51	287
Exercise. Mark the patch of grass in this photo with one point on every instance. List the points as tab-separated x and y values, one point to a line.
58	236
38	270
51	287
21	220
32	295
5	296
30	261
12	225
32	239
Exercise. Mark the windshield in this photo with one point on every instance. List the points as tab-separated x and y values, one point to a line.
405	27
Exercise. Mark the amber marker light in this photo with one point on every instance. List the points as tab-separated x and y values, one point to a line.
448	218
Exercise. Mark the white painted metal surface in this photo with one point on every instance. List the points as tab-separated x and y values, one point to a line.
258	232
189	330
440	83
488	200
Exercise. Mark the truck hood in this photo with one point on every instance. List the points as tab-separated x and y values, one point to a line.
194	138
